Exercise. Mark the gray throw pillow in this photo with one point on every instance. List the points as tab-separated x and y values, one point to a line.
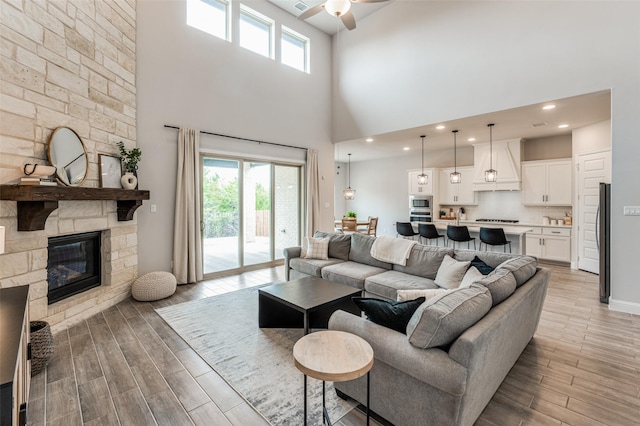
339	244
522	268
439	321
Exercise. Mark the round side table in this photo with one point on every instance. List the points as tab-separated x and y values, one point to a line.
334	356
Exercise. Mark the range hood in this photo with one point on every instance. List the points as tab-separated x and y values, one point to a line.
506	158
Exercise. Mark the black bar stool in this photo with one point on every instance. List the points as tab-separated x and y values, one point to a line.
429	232
405	229
459	234
494	237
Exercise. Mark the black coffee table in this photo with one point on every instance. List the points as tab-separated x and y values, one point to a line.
304	303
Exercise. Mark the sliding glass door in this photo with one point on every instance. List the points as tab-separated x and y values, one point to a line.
251	210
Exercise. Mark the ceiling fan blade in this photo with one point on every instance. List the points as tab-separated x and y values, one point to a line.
310	12
348	20
368	1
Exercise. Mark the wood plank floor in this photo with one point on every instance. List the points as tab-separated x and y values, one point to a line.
125	366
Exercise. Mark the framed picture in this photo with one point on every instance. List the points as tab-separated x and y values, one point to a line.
110	171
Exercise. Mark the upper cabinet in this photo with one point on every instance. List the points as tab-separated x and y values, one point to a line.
417	189
505	158
457	193
547	183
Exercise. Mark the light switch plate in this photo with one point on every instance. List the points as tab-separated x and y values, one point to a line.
632	210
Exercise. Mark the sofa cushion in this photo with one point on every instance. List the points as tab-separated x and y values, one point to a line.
311	266
361	251
389	313
427	293
439	321
501	283
388	282
481	266
522	268
451	272
491	258
317	248
424	261
339	244
350	273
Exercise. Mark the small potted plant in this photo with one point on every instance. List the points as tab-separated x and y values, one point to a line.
129	159
350	213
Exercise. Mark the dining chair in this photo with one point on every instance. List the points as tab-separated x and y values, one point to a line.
459	234
349	225
371	227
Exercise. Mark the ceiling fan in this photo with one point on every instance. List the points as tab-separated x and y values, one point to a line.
339	9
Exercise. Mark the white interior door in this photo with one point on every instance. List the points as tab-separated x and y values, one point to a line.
592	169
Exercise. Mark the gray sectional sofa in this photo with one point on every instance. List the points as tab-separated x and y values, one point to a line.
459	346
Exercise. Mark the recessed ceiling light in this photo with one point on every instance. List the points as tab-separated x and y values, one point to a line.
406	148
440	127
548	107
471	140
369	139
563	126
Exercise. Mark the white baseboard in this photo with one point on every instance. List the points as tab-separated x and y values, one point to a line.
627	307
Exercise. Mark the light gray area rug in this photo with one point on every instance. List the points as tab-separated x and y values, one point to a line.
257	362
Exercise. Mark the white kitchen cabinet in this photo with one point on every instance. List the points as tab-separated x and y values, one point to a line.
505	158
547	183
415	188
457	193
549	243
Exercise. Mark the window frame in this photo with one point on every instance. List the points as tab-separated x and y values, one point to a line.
306	41
250	13
228	12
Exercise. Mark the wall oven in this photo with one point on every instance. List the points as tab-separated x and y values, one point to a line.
420	209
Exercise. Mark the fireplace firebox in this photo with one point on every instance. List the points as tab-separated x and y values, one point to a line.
74	264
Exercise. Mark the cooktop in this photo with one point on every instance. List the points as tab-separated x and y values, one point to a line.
498	220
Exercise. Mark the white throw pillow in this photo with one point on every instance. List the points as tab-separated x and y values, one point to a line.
451	272
427	293
317	248
472	275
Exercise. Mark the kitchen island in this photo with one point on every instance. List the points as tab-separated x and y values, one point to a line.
514	233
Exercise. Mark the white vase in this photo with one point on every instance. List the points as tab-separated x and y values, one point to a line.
129	180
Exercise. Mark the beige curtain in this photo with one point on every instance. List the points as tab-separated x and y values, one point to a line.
187	239
313	192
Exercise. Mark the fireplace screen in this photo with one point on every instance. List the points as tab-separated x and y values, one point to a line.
73	265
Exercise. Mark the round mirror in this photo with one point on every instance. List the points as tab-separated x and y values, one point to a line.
67	152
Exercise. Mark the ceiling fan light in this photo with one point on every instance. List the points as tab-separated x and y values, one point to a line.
455	177
490	175
348	193
337	7
423	179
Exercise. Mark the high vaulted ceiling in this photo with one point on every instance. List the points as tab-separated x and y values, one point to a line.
323	21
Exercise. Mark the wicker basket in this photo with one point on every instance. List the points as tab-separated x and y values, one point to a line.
41	346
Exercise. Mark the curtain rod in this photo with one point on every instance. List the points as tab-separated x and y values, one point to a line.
242	139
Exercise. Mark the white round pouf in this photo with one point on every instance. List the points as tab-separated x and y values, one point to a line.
153	286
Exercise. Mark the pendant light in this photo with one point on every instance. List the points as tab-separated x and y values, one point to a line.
490	175
455	177
349	193
422	178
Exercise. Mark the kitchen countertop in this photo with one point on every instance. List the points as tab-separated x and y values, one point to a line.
473	223
511	229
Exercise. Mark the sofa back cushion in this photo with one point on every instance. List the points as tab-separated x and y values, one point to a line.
361	251
339	244
440	320
501	283
522	268
491	258
424	261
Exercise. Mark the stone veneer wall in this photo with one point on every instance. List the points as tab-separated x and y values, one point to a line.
67	63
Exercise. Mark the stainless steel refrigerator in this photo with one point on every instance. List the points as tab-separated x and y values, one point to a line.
603	239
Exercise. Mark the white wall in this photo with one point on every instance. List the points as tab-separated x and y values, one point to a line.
415	63
594	138
189	78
